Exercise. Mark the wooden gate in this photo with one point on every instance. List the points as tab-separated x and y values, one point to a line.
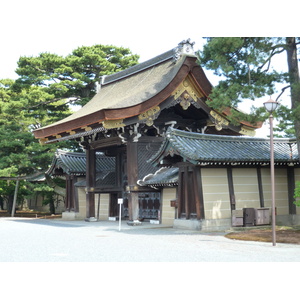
149	206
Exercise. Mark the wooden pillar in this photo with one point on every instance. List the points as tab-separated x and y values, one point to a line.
183	192
190	192
132	177
291	189
71	203
90	182
68	193
186	192
198	193
75	194
180	206
260	188
231	188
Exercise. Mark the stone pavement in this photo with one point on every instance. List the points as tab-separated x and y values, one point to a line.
43	240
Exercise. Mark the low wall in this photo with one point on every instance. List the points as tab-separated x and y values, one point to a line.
288	220
81	214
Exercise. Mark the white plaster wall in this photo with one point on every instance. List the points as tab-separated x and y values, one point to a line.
215	193
168	212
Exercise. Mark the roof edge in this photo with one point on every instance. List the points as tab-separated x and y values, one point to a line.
173	131
184	48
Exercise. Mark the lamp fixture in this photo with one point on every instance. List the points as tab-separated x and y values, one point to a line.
271	105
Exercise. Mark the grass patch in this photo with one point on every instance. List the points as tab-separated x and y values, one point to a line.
29	214
284	234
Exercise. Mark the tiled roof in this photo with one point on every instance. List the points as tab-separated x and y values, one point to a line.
103	179
163	177
75	163
210	150
203	148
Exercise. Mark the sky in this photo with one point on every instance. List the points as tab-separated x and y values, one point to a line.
29	28
147	28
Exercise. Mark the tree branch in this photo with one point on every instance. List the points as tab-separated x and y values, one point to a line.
268	60
282	91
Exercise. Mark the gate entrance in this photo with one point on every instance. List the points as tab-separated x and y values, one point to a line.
149	206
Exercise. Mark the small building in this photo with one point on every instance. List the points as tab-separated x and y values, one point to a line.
129	119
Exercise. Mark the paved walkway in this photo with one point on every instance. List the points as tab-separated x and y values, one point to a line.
43	240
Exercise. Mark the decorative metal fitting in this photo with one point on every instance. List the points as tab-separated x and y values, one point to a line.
184	47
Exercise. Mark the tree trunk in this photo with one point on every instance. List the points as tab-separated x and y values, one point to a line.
52	205
10	203
295	84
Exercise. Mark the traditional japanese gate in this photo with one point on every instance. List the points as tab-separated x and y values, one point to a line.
133	109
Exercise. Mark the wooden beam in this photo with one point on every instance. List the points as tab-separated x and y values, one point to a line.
106	142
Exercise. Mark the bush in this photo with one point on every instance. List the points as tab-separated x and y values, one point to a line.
297	194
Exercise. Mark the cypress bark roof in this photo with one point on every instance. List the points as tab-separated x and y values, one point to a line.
122	95
126	97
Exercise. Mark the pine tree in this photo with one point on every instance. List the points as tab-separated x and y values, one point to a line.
247	70
47	84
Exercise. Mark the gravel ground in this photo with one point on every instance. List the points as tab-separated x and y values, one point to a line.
42	240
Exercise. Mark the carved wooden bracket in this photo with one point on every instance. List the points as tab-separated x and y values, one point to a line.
150	115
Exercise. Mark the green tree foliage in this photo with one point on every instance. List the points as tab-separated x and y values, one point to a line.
297	194
247	71
7	190
47	84
20	153
75	75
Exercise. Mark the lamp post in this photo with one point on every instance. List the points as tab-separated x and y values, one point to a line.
271	106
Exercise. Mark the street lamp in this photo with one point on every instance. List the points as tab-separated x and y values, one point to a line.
271	106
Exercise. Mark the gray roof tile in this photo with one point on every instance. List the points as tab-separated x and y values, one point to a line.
198	148
73	163
163	177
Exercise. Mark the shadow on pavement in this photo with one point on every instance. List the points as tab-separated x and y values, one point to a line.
45	222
